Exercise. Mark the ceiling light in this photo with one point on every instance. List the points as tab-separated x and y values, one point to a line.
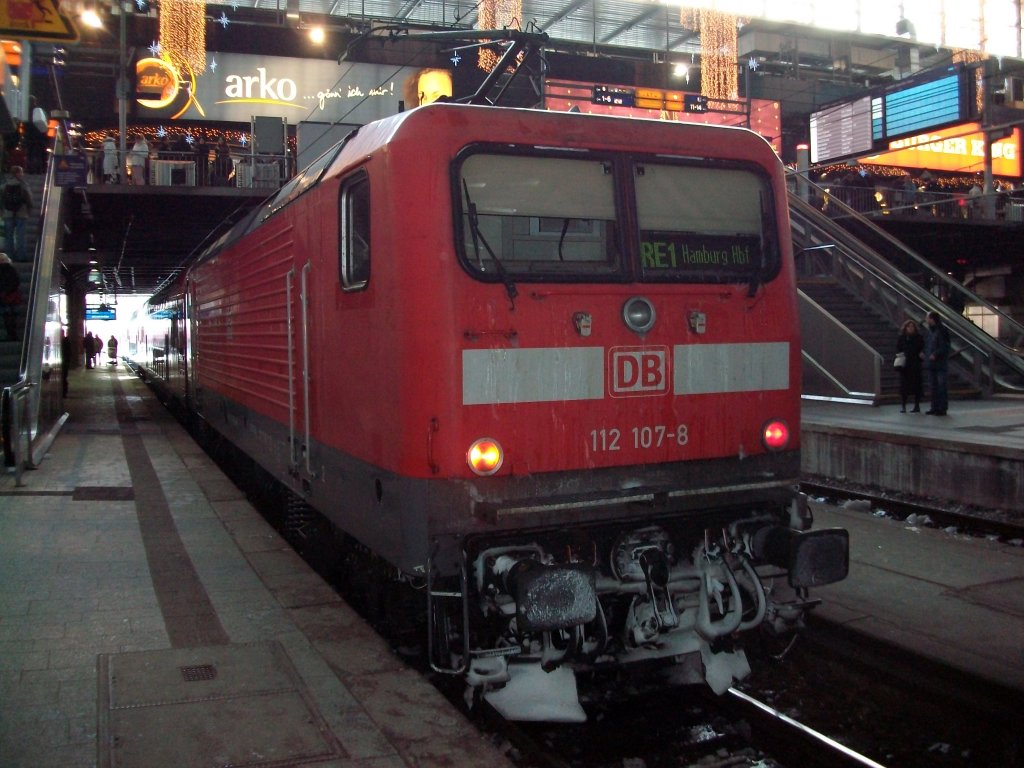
91	18
316	34
681	69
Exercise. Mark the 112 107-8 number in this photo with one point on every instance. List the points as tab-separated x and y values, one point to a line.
613	439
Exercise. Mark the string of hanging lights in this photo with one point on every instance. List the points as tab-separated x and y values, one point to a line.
719	73
496	14
183	33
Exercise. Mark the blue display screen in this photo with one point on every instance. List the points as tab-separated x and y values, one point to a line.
921	107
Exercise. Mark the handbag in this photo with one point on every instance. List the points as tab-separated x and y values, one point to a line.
900	361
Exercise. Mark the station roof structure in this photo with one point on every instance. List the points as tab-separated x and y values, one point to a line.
861	43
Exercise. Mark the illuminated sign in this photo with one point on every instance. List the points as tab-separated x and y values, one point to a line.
35	20
610	94
866	124
694	255
761	115
100	312
960	148
235	87
842	130
918	107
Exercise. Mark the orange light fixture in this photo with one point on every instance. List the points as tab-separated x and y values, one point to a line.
485	456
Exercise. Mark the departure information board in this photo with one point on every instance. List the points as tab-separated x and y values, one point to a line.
867	124
841	130
920	107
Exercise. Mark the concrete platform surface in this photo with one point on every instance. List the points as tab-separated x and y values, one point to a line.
972	456
951	598
150	617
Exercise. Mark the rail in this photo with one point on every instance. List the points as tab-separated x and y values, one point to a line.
31	410
1004	206
838	365
203	166
900	284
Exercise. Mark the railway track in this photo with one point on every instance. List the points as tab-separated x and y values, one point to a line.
682	727
977	522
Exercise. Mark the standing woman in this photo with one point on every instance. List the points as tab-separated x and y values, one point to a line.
911	345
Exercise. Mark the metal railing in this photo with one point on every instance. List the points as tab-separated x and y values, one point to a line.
876	201
838	365
177	168
31	413
901	284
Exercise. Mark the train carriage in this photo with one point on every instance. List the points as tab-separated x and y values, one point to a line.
547	368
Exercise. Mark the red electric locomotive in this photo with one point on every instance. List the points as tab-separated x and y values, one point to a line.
546	367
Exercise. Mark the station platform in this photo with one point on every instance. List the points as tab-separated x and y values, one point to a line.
974	456
150	617
954	599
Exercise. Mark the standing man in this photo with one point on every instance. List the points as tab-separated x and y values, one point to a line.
17	204
936	357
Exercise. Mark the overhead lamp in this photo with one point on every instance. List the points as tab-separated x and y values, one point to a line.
680	69
317	34
91	18
905	28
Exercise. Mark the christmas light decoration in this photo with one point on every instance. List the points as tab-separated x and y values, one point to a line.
183	33
719	73
496	14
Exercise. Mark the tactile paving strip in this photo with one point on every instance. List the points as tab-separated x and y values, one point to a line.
237	705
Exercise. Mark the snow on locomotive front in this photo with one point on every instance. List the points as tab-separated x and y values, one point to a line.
626	396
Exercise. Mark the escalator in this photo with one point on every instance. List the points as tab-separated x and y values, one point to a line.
847	355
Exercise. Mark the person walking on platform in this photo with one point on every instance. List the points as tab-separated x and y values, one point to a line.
112	349
936	356
87	348
10	296
65	361
910	345
17	204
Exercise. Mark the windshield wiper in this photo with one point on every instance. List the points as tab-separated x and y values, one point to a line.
478	238
767	241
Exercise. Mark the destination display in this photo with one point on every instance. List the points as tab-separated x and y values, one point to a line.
841	131
695	256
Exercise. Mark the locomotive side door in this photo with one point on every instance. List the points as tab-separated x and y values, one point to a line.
297	282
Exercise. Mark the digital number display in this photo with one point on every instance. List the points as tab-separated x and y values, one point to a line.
613	96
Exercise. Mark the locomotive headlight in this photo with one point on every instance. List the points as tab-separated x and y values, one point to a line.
485	456
638	314
775	435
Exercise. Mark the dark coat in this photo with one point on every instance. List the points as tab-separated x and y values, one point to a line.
911	345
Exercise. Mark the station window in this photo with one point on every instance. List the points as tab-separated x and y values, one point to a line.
354	240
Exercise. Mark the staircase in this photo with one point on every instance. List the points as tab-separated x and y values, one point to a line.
875	330
10	351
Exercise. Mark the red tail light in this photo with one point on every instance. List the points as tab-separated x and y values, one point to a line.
775	435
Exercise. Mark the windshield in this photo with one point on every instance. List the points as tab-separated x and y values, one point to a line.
703	224
538	216
549	217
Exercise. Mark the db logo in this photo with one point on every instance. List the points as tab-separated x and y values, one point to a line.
638	371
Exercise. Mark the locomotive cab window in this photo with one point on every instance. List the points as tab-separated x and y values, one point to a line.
703	224
540	218
354	216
